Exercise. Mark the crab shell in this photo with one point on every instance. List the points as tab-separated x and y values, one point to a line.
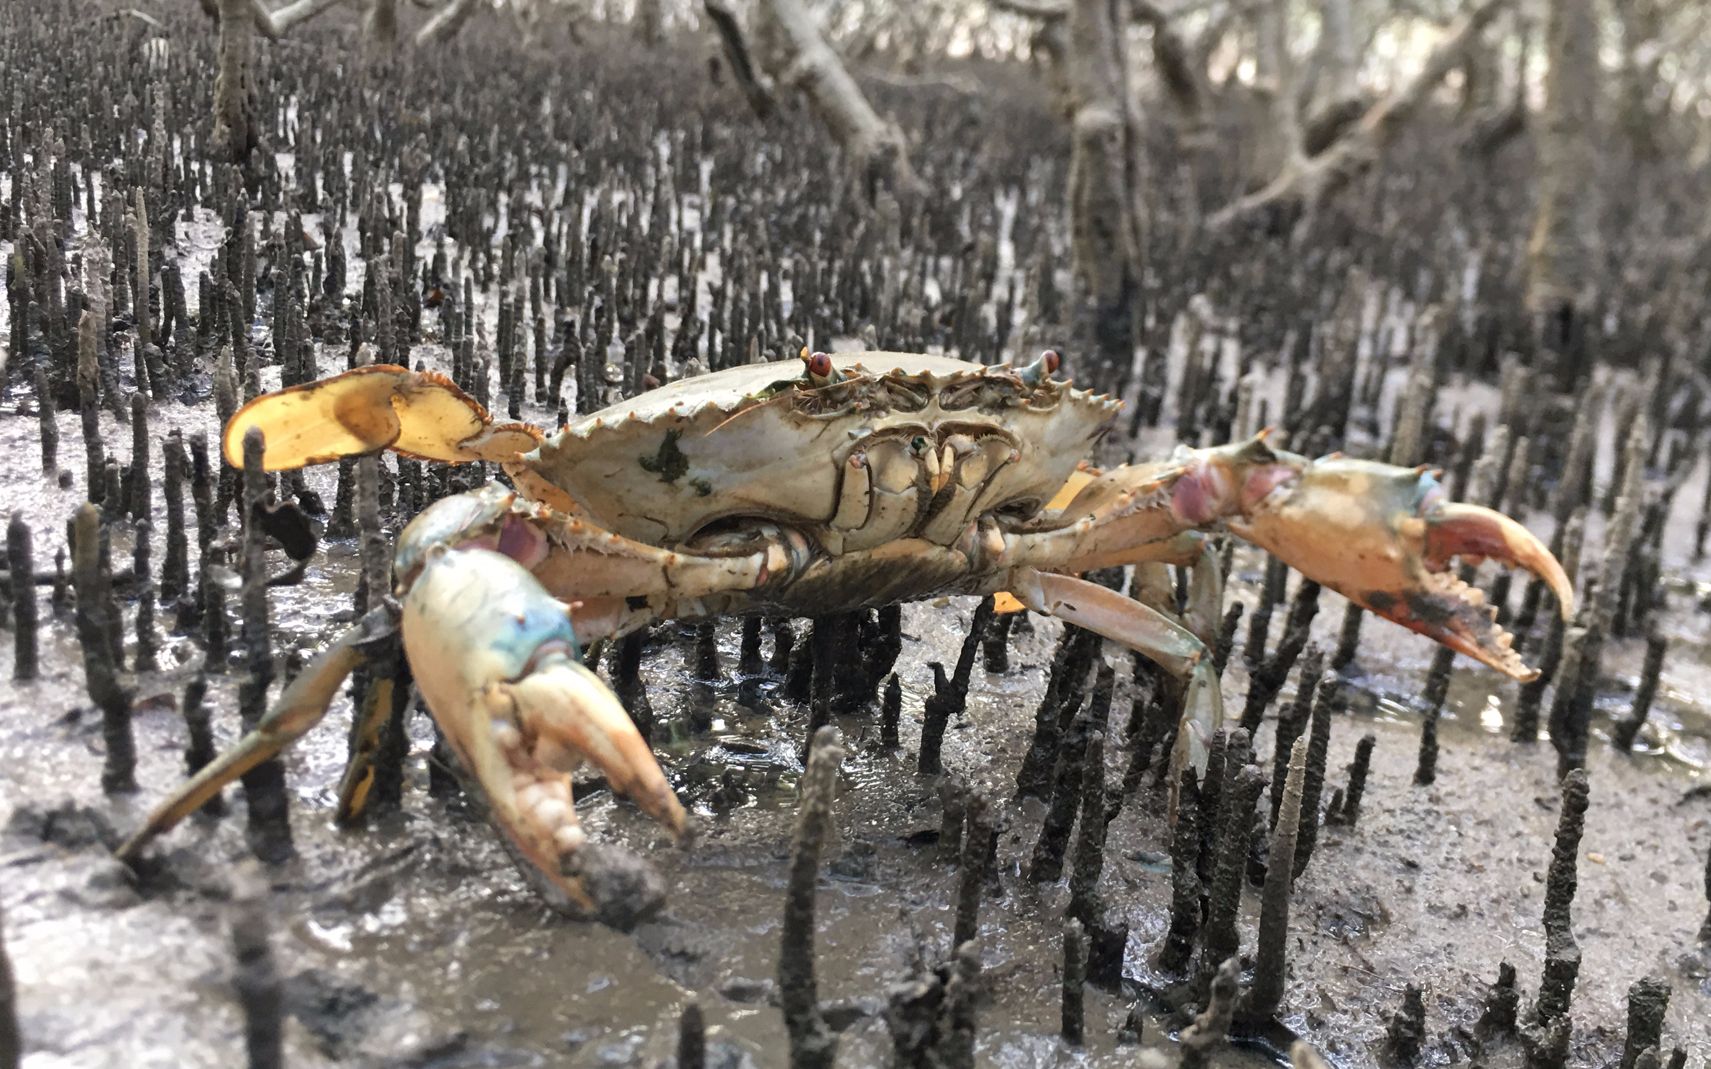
671	464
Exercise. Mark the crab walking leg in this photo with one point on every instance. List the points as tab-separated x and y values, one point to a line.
386	696
299	707
497	662
1155	587
1145	630
1205	610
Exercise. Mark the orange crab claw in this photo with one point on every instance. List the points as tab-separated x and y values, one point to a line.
1472	532
1385	538
419	414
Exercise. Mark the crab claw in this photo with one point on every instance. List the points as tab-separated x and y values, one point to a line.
419	414
497	663
1385	538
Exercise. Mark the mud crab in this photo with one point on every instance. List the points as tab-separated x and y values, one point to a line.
836	483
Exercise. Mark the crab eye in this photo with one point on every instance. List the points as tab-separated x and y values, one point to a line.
1042	369
820	365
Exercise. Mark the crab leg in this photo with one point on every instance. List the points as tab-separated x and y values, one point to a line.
386	696
615	584
1153	584
299	707
420	414
497	662
1144	629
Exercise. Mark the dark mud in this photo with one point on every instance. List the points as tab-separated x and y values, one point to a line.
413	942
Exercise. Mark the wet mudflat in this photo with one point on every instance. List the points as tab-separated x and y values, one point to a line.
414	941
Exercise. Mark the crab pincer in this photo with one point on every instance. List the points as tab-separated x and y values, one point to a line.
420	414
1386	538
497	662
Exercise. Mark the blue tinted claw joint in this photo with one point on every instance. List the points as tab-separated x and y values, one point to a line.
497	663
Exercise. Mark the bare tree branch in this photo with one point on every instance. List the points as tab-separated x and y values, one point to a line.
1643	95
1049	50
1213	34
956	83
1329	121
736	47
1278	140
1181	62
263	20
142	16
1105	227
1181	71
1336	53
234	136
445	23
1561	256
794	52
1495	127
1421	11
1309	183
1152	13
276	24
650	21
381	22
1034	9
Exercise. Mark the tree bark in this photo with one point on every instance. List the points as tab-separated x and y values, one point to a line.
1496	125
382	22
1330	94
1035	9
1180	63
1310	183
794	53
757	89
1644	96
1049	55
234	96
650	21
1481	81
1339	62
1567	157
1181	69
1105	228
1560	256
1277	140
